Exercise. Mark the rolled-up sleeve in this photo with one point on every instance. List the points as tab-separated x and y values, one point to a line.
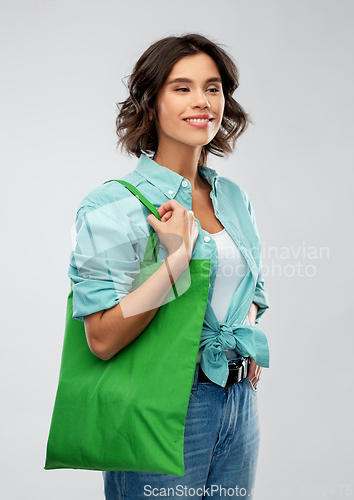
104	261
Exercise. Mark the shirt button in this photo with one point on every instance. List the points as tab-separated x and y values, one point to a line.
207	239
170	192
184	184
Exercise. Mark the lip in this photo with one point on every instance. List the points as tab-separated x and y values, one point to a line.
205	117
203	124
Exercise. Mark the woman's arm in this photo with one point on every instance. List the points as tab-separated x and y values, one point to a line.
254	371
252	314
111	330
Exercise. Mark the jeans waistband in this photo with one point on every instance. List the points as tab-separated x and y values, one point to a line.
196	373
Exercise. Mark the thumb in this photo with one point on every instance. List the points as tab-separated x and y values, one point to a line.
153	221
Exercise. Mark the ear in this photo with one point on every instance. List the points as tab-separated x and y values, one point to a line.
150	117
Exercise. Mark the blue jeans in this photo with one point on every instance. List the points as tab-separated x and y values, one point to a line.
221	443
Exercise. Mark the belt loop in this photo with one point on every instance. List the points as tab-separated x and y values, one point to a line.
195	380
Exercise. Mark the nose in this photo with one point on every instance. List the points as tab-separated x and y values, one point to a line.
200	100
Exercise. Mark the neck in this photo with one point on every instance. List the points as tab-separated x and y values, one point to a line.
183	161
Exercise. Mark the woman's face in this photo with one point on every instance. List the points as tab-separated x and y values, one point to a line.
190	105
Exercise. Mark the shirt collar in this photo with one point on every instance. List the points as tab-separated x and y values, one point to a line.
165	179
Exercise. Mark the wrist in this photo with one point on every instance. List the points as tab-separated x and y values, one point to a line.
177	262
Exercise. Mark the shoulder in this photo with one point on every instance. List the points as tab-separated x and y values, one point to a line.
109	191
111	198
233	191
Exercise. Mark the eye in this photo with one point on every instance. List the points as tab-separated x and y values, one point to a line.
182	89
213	90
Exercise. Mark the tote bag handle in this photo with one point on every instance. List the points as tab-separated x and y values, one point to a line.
155	242
152	249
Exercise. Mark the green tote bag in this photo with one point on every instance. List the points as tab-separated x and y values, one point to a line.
128	413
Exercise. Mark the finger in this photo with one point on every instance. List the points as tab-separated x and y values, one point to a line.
192	223
254	382
258	370
167	216
169	205
257	375
153	221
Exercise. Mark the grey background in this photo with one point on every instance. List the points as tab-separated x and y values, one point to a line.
62	65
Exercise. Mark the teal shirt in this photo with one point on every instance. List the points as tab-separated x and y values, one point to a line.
111	236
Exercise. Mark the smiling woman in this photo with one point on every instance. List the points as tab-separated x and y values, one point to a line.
180	109
137	118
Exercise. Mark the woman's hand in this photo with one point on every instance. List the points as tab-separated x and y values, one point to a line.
177	226
254	371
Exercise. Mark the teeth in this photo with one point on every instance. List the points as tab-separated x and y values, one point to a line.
197	119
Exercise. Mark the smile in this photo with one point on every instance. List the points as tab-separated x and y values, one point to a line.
197	120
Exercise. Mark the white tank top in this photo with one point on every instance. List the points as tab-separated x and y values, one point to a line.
232	268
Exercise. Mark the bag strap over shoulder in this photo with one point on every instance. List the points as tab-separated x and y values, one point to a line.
138	195
154	241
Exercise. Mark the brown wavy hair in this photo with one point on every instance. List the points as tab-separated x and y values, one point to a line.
138	134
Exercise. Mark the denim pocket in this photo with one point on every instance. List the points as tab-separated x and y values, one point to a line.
250	385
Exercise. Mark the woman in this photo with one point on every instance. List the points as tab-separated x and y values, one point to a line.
180	109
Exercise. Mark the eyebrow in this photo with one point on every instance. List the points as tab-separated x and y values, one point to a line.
188	80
